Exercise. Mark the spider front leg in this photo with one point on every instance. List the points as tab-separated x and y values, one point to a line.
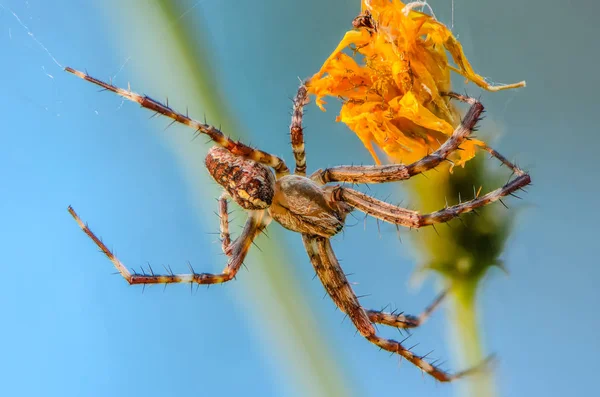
408	218
257	221
235	147
399	172
413	219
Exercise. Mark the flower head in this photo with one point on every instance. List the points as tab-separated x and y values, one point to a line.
393	84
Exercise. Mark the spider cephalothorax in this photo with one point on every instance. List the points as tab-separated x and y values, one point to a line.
309	206
303	206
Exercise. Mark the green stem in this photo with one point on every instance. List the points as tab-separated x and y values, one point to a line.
467	337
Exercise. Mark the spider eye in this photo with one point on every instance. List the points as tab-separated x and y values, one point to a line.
249	183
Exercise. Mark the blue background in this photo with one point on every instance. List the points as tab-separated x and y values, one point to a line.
69	328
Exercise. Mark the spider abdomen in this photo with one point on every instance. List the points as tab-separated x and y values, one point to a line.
249	183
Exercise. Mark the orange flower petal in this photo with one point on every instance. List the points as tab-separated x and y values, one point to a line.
393	94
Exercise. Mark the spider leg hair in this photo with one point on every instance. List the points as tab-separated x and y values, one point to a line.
413	219
213	133
257	221
398	172
297	131
335	282
400	320
337	286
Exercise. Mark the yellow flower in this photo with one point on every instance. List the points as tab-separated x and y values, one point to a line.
392	96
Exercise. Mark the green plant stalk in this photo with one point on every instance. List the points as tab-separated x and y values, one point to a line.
466	332
296	351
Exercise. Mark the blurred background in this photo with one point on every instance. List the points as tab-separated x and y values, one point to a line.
72	329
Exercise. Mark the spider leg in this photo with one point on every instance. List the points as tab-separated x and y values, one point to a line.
237	251
398	172
296	130
408	218
337	286
401	320
213	133
402	216
224	224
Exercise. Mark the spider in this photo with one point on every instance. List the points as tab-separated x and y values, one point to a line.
312	207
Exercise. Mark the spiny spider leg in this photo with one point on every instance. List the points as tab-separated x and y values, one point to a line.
235	147
398	172
408	218
224	225
401	216
405	320
516	170
257	221
337	286
296	130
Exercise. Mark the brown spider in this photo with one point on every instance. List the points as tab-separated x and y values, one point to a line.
307	206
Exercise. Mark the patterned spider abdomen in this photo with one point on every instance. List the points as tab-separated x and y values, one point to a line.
249	183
